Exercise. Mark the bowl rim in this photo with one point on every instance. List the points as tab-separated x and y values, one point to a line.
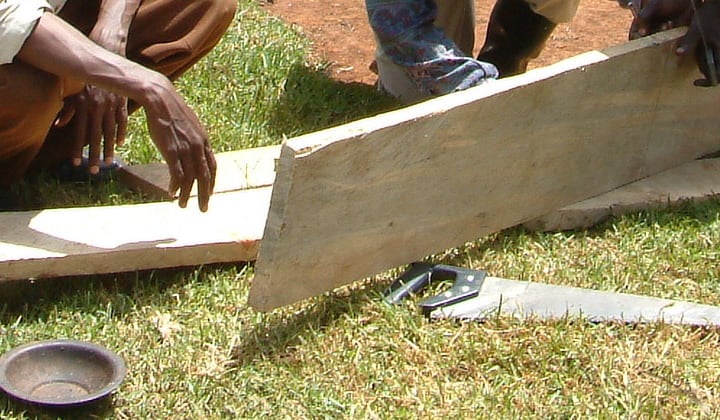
119	370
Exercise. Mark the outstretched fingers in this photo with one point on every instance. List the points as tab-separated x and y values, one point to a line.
206	171
190	163
175	167
189	172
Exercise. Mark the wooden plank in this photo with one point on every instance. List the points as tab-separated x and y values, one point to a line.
74	241
362	198
693	181
237	170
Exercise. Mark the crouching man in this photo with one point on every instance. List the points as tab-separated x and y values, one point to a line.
71	71
424	47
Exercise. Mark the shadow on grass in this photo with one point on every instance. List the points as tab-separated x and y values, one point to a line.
35	298
103	408
278	334
43	191
313	101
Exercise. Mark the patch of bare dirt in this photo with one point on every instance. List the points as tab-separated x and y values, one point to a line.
341	34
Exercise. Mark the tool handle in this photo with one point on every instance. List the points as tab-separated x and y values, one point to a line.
411	281
467	284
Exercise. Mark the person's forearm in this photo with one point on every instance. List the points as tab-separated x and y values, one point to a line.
58	48
113	24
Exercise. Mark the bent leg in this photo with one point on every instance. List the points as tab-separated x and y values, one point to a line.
518	29
457	19
415	57
171	35
168	36
31	101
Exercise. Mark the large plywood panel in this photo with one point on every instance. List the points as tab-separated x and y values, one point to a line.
356	200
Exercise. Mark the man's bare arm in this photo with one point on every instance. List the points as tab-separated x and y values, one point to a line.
101	116
58	48
113	24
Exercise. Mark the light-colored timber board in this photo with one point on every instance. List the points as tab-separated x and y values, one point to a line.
368	196
693	181
95	240
237	170
35	247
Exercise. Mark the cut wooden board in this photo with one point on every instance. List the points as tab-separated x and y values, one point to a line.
95	240
362	198
695	180
49	256
238	170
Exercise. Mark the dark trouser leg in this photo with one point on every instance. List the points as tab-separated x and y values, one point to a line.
515	35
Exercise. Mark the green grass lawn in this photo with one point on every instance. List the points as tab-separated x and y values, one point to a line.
194	349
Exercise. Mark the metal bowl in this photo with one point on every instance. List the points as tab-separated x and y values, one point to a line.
60	373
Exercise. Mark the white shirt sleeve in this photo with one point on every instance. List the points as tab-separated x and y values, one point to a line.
17	21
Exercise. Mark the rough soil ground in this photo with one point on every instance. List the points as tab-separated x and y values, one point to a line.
341	35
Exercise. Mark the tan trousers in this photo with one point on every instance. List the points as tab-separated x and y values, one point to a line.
166	35
457	20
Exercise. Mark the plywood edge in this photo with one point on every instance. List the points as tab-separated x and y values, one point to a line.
129	260
99	240
274	225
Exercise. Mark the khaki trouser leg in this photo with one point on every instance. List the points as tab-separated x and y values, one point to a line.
457	19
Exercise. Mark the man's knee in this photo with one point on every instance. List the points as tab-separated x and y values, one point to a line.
225	10
171	35
221	14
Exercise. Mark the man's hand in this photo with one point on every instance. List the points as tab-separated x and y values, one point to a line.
183	142
174	127
98	114
653	16
702	38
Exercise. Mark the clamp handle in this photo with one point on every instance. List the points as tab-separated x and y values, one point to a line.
467	285
411	281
